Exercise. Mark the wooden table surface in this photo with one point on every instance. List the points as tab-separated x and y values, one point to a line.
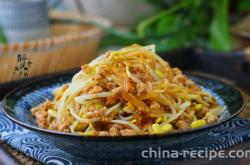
10	156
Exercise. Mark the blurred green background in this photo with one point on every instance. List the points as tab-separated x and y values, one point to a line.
184	23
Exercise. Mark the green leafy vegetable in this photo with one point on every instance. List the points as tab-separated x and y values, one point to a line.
180	23
219	28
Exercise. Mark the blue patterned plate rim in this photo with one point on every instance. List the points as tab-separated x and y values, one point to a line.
6	111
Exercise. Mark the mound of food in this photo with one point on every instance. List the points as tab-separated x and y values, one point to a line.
131	91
